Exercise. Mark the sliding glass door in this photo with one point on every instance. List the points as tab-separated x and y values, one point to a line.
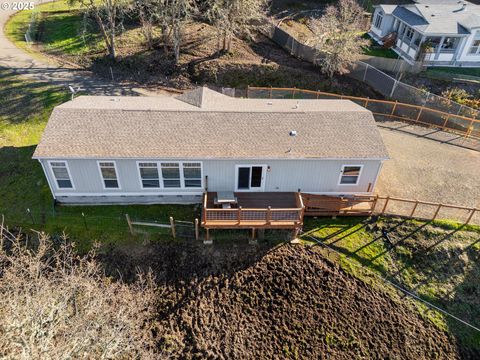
250	177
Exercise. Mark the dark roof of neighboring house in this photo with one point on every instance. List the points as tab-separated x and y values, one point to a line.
204	124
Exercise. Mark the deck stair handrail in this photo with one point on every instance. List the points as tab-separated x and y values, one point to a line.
466	126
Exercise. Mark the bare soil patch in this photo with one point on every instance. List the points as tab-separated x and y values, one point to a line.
254	302
256	62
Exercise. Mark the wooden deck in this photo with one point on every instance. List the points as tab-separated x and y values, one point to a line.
267	210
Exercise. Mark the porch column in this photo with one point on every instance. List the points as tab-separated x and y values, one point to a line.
412	42
437	53
400	30
459	48
419	51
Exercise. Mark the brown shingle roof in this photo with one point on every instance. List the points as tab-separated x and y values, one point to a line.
96	127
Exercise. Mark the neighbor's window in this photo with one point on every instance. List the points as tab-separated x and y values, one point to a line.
409	34
475	48
350	175
149	175
109	175
62	176
378	20
192	175
171	175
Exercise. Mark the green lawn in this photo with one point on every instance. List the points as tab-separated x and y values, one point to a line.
24	110
60	27
373	49
438	261
455	71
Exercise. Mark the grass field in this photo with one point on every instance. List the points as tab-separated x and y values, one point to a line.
61	27
24	110
438	261
376	50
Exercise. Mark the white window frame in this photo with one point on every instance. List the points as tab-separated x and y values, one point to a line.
476	37
116	174
264	176
55	178
358	177
161	179
158	173
182	175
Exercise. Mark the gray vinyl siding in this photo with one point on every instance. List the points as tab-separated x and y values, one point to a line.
315	176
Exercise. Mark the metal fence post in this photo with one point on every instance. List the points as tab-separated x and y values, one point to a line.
365	74
393	88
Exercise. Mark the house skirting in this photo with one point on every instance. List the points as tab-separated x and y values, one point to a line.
129	200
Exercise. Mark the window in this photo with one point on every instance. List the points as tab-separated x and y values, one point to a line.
109	175
475	47
450	44
61	174
378	20
192	175
149	175
350	174
409	34
171	175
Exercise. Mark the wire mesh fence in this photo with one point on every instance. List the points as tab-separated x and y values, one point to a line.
385	84
413	113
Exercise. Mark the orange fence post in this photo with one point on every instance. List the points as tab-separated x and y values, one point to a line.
470	216
436	211
414	208
385	205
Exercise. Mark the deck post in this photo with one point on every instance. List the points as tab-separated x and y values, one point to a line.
196	229
269	215
239	215
129	224
207	240
172	225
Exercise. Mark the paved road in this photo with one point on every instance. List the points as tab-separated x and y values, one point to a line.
23	63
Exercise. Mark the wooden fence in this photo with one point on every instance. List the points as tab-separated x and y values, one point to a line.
364	205
421	115
171	225
425	210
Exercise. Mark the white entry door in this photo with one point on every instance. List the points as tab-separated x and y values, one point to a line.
250	177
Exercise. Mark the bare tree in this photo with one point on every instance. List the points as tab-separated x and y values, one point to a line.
145	9
337	37
235	18
55	304
107	14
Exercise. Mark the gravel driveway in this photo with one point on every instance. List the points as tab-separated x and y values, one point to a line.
429	170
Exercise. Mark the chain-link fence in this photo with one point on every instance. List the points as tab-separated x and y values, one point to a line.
377	79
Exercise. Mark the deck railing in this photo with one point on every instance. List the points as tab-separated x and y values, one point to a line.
322	205
253	216
422	115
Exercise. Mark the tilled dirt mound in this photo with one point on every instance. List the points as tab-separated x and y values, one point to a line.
249	302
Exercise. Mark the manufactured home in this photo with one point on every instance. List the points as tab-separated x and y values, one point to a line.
238	152
436	32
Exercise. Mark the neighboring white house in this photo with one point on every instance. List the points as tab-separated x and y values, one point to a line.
447	30
133	150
